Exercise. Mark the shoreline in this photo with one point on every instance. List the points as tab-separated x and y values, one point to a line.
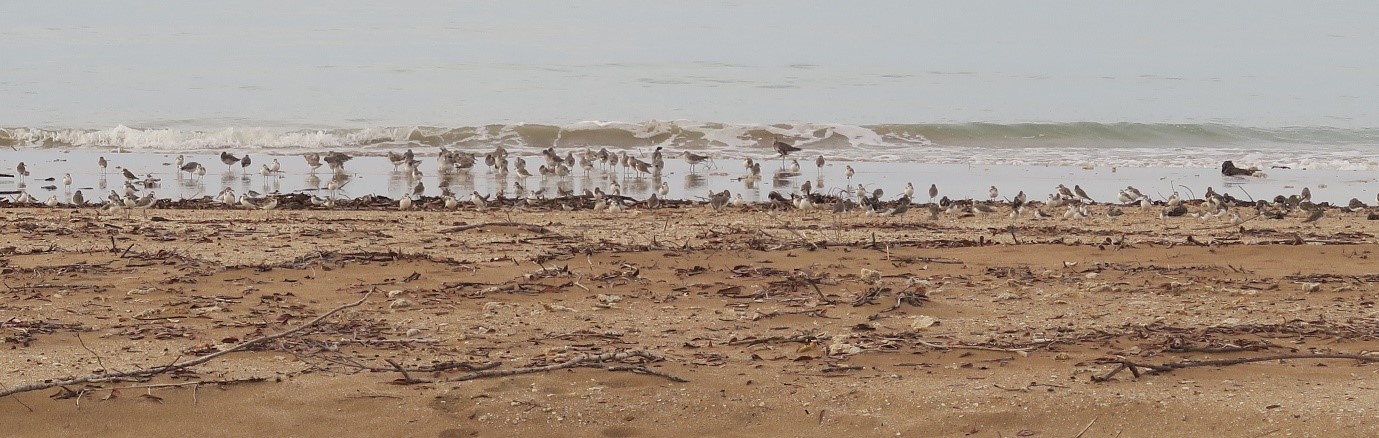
374	175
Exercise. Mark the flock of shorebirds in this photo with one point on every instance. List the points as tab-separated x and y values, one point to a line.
1068	203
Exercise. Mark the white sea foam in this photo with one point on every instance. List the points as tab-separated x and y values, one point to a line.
1069	144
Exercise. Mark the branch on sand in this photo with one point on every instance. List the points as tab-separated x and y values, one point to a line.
582	360
107	376
1135	367
521	226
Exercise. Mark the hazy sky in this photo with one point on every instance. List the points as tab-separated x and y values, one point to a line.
94	64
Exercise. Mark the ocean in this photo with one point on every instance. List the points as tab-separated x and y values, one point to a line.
1082	84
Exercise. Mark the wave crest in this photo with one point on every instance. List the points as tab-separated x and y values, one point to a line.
1082	143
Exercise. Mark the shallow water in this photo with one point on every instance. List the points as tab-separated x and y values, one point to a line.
373	175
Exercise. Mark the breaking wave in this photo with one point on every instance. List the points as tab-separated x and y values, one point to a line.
1081	144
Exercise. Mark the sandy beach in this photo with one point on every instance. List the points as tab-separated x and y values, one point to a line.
683	321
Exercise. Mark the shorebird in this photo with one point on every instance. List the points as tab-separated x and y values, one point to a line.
24	197
664	189
191	167
1315	216
694	159
1065	193
992	193
275	167
228	159
933	192
397	159
795	166
848	172
78	200
244	164
66	181
268	205
805	188
909	190
336	161
983	208
405	203
1077	189
265	172
227	196
128	175
245	202
178	162
1306	194
146	202
819	162
313	160
101	162
451	202
718	200
901	206
52	201
784	149
21	169
480	202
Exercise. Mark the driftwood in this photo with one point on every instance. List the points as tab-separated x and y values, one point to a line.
107	376
521	226
1134	367
581	360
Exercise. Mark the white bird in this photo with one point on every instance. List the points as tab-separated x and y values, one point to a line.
909	190
664	190
405	203
275	167
848	172
794	166
227	196
993	193
66	181
52	201
24	197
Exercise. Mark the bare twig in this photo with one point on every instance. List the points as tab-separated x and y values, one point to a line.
1168	367
1089	426
582	360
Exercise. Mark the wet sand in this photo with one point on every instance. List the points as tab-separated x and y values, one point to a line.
967	327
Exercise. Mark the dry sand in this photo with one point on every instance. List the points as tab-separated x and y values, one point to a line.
993	337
